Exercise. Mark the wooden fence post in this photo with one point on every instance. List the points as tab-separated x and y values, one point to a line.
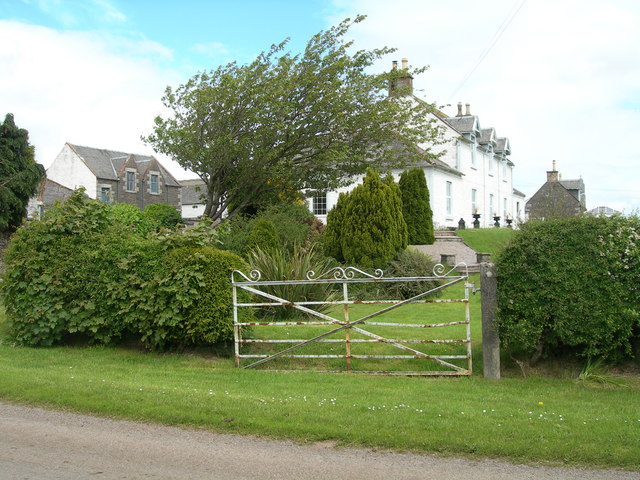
490	339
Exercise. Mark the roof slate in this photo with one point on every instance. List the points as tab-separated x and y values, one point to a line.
106	163
463	124
192	191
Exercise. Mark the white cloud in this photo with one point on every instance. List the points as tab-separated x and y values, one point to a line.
561	82
211	49
80	87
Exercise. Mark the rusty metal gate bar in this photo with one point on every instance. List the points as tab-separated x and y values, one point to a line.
346	276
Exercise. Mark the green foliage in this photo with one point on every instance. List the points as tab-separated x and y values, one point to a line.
264	236
310	121
20	175
282	265
399	229
163	214
332	242
91	270
132	217
571	286
373	229
193	303
416	207
293	224
410	263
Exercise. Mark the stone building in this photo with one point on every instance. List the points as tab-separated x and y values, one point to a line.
557	198
112	176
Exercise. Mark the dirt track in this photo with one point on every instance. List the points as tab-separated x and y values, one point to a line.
45	445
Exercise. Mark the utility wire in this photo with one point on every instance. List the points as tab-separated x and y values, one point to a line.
496	36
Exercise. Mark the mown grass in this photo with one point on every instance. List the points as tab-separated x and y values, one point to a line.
549	420
486	240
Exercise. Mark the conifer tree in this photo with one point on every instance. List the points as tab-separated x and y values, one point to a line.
370	232
264	236
332	242
401	235
416	208
19	173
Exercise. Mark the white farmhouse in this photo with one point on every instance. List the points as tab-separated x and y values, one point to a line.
473	176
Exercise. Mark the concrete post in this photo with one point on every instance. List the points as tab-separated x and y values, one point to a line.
490	340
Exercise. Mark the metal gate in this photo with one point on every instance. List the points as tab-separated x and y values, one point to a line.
349	334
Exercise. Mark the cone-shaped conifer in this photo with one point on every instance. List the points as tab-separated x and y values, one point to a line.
416	208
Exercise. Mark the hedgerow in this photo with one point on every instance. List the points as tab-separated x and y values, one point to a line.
571	286
85	270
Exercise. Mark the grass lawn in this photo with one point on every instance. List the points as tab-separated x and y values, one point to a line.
550	420
486	240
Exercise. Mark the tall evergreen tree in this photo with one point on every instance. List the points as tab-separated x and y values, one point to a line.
401	233
332	241
19	173
369	233
416	208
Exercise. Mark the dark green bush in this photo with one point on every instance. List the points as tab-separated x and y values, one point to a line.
293	225
63	274
410	263
163	214
571	287
263	236
85	271
332	242
416	208
373	230
192	302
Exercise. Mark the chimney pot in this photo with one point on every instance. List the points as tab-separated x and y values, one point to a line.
395	64
405	63
468	106
459	109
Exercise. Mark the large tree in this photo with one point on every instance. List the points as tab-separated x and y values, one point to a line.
310	120
19	173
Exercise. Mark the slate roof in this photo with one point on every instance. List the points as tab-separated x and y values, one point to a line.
607	211
487	135
464	124
192	191
573	184
503	145
518	193
106	163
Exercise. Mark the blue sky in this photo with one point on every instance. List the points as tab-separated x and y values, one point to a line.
559	78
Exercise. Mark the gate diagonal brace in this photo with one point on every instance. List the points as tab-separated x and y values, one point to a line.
333	320
404	347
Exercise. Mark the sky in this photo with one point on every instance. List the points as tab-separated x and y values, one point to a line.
559	78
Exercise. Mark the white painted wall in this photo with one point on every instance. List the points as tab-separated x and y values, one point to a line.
487	177
69	170
192	210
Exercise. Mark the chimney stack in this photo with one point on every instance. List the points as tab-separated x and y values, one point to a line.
401	79
553	176
468	109
459	109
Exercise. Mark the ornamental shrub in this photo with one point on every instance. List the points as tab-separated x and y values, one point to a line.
332	241
163	215
282	265
133	218
264	236
410	263
571	286
370	235
416	207
193	303
85	271
399	230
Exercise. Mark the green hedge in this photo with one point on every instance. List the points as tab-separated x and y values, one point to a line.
571	286
84	271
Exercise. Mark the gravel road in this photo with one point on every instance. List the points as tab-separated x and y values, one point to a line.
50	445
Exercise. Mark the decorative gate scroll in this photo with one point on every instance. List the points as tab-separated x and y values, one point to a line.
410	348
